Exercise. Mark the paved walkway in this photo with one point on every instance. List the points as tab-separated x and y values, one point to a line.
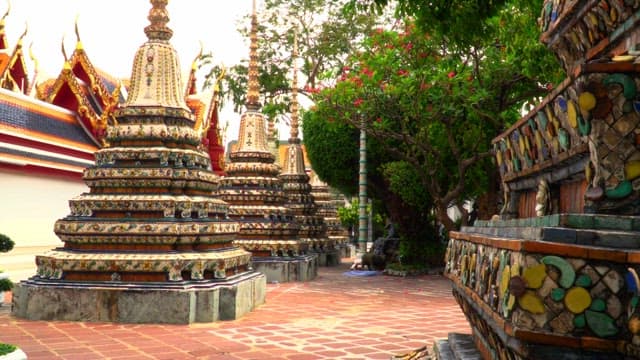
332	317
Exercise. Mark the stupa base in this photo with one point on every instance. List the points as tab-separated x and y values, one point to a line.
287	269
328	257
182	302
347	250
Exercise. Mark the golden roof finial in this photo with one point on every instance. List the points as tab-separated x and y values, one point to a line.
67	65
253	90
158	17
36	64
24	33
191	81
36	70
5	14
194	63
294	88
78	42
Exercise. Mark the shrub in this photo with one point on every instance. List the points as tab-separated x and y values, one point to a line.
5	285
6	349
6	244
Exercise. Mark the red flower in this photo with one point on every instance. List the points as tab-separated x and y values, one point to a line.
378	120
357	102
403	72
408	47
451	74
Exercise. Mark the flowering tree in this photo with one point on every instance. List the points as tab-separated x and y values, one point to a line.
434	104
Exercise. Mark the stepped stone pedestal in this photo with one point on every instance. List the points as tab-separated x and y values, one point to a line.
181	303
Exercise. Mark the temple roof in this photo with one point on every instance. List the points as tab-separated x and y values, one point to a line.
36	134
85	90
13	69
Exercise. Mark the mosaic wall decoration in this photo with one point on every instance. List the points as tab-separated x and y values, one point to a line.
576	42
551	294
598	114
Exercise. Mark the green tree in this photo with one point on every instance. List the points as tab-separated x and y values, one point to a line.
435	104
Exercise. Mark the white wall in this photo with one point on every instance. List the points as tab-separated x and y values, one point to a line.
30	205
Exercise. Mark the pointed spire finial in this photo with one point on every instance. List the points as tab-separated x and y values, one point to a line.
64	53
253	91
158	17
6	13
78	42
24	33
294	88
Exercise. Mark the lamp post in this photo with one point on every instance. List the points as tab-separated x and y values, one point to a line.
362	191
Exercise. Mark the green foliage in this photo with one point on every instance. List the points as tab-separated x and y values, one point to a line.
6	349
6	244
326	36
349	215
332	149
435	104
404	180
414	252
5	285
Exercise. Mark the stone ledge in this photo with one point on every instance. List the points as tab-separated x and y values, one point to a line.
287	269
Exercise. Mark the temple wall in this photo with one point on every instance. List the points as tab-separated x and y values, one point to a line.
32	203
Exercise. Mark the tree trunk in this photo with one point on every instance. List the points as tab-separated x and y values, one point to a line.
443	217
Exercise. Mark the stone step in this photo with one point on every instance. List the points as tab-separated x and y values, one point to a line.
456	347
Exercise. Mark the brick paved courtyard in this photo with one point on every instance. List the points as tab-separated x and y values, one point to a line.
332	317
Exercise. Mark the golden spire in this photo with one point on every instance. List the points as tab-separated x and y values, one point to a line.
253	91
159	17
156	80
294	90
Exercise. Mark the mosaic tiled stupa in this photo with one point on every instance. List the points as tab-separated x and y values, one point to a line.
252	187
149	243
555	275
328	208
298	189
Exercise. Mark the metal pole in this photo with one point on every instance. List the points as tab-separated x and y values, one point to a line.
362	192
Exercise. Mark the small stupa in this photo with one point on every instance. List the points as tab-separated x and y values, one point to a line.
149	243
298	190
252	187
325	199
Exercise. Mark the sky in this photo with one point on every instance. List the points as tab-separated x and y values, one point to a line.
111	32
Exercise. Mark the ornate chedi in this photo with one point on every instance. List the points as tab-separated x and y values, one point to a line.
555	275
256	196
149	242
328	209
298	189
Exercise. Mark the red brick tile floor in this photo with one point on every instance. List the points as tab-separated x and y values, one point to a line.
331	317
